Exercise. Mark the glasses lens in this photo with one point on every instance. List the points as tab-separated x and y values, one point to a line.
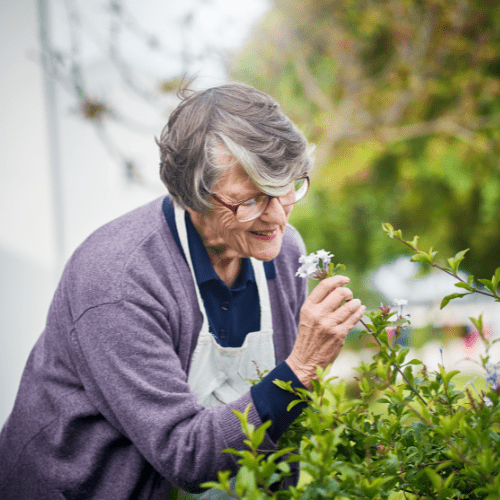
252	208
299	190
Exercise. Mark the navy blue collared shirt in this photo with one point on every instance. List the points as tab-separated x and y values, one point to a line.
232	313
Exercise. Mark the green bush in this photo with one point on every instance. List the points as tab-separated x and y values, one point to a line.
423	439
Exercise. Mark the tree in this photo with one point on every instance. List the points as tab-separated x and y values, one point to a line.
402	98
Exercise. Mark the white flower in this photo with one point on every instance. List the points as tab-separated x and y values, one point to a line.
493	375
309	265
471	382
306	270
400	302
326	257
487	401
309	259
315	265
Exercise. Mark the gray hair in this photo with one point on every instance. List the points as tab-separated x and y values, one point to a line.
248	124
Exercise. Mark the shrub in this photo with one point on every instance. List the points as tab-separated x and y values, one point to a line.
430	441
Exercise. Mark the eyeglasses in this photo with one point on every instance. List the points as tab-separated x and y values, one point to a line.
252	208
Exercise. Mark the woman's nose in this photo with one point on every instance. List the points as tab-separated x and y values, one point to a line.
275	212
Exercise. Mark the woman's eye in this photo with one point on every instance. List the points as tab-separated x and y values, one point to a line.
249	203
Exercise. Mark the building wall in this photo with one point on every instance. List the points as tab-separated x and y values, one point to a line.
95	188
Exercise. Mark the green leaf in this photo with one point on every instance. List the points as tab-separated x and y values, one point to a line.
259	434
435	479
364	385
450	375
460	284
446	299
387	228
455	261
278	454
284	467
478	323
414	362
489	285
496	278
273	479
431	256
295	402
286	386
234	452
421	257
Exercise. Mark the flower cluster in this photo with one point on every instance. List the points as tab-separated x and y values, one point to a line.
493	375
315	265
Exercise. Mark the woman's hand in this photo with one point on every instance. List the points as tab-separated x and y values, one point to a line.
326	317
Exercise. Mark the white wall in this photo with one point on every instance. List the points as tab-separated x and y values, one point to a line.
95	188
26	231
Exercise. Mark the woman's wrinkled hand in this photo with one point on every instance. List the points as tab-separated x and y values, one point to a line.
326	317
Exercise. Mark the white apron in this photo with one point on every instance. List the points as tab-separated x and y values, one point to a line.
217	373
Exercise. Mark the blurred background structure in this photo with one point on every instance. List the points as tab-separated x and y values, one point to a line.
401	97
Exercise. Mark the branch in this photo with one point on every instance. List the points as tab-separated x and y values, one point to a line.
311	88
444	125
412	56
447	271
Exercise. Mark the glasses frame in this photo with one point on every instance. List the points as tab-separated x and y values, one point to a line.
234	208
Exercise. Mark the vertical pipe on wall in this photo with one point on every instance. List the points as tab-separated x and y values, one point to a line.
53	132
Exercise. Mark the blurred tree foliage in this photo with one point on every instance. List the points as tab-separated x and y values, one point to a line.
402	98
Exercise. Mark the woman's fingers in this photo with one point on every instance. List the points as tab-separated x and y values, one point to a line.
325	321
355	316
326	286
336	298
347	311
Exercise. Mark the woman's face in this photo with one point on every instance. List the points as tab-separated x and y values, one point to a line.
227	238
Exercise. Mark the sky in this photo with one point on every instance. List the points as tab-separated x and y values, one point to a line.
190	25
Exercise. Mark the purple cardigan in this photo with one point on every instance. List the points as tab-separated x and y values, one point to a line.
104	410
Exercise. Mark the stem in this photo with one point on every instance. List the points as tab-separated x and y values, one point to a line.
448	398
417	413
397	367
447	271
350	428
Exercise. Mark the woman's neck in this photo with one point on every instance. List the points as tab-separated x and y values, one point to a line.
225	261
228	270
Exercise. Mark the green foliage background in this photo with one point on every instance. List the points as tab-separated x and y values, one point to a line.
402	99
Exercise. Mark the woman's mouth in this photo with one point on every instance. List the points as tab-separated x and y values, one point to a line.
265	235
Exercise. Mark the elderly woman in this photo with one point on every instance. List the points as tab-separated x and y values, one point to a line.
162	315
